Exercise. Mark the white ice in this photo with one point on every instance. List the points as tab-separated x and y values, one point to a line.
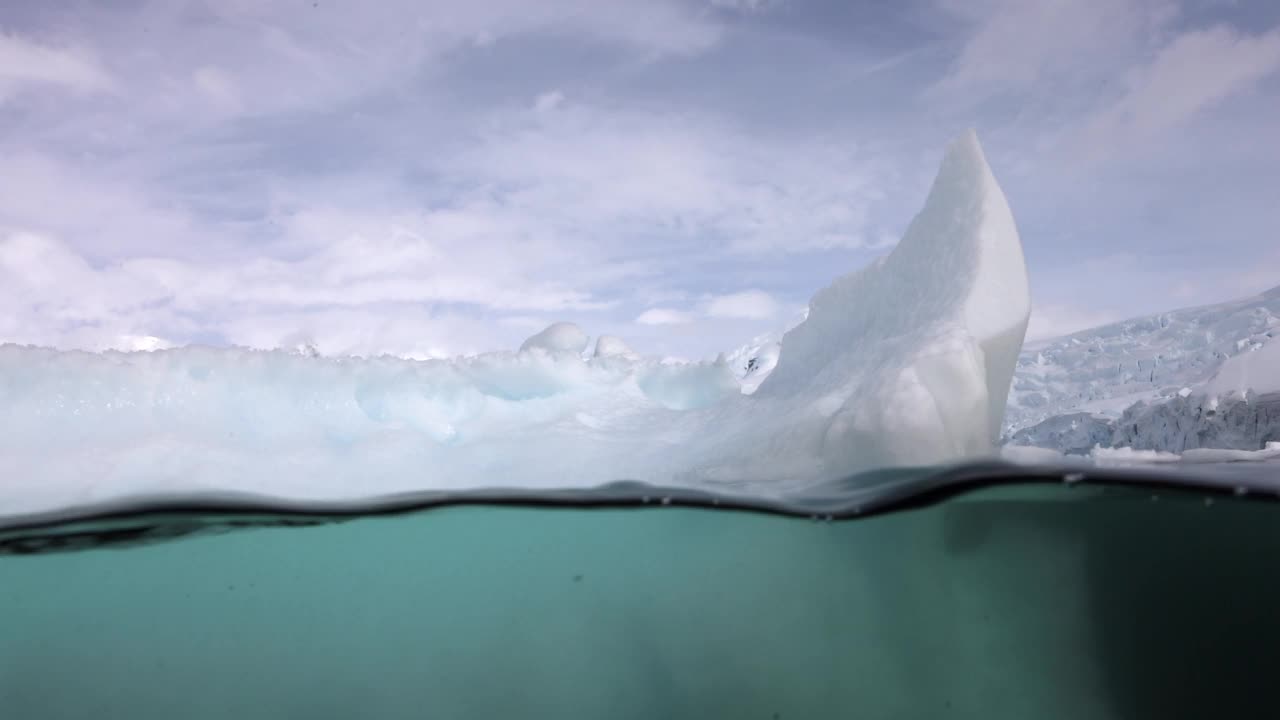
907	361
1129	456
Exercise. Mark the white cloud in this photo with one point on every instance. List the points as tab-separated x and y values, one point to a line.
94	205
615	172
362	294
1020	45
749	305
551	215
1190	74
287	54
388	173
219	88
176	219
26	62
404	331
560	242
745	5
1094	78
548	101
278	56
664	316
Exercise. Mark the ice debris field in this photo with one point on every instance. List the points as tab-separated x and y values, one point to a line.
906	362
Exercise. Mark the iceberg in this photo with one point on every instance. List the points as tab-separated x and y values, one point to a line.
905	362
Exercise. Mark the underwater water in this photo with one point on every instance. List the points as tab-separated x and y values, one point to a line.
1030	600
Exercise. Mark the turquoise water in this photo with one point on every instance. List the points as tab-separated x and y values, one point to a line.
1035	601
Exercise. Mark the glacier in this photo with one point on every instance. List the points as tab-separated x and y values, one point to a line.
905	362
1102	371
1201	382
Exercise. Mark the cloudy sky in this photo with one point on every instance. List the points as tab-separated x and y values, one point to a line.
442	176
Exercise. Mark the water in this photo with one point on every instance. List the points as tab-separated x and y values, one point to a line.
1022	601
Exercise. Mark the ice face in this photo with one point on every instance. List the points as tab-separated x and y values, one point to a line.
907	361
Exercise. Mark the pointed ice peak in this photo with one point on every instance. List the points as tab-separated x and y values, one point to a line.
964	195
966	149
959	267
965	242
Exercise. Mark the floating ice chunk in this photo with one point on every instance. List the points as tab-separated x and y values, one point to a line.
558	337
1127	455
905	362
1215	455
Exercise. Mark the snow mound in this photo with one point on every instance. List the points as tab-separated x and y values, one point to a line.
905	362
558	337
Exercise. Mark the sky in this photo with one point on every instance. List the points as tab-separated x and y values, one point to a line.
429	178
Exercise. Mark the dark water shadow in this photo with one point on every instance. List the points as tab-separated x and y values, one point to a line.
1181	596
1186	599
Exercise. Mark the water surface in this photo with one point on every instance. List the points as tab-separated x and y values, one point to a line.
1018	601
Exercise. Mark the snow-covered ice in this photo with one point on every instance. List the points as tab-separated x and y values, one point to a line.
905	362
